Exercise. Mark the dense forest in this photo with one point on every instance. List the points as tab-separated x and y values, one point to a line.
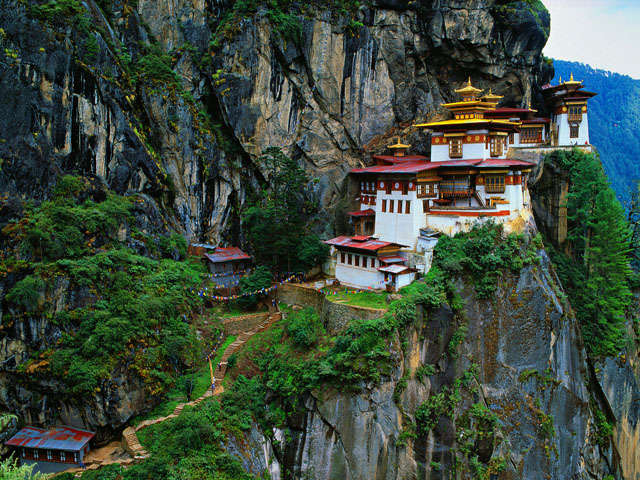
614	121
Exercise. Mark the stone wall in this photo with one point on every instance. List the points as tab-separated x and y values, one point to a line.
335	316
244	323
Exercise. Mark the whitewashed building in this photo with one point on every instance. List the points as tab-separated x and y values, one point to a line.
366	262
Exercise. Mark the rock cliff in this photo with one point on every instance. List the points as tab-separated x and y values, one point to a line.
151	96
515	397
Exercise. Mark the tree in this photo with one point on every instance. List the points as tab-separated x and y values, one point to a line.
597	273
260	278
276	219
312	252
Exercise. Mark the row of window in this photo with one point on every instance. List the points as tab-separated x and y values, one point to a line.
37	454
358	260
531	135
397	205
497	146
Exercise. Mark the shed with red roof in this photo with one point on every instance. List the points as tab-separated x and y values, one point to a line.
59	444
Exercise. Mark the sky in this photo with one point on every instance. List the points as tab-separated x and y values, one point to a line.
602	33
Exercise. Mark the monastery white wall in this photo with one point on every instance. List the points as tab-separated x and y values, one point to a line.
440	153
359	277
405	279
397	227
564	132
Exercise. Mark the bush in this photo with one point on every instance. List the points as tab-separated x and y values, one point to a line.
303	327
26	292
312	252
260	278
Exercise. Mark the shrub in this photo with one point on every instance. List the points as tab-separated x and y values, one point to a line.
260	278
303	327
26	292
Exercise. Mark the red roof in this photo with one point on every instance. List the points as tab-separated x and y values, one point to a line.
360	243
362	213
396	159
228	254
58	438
402	167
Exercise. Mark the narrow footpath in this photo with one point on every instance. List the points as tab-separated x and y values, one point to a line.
108	455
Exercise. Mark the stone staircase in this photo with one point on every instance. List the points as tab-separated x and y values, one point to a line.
130	440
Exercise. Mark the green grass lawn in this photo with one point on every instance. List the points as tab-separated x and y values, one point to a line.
360	299
201	381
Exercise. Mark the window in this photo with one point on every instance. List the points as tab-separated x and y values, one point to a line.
455	147
384	205
341	257
349	259
390	206
405	188
496	146
575	113
357	260
35	453
62	456
531	135
425	205
494	183
426	190
49	455
574	130
407	206
388	187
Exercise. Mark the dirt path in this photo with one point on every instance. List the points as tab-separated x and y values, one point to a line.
129	450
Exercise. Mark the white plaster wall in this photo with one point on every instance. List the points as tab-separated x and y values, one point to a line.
405	279
359	277
564	132
399	227
474	151
440	153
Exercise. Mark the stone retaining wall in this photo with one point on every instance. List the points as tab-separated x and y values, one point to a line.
335	316
243	323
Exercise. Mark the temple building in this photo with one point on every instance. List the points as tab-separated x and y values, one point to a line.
365	262
568	104
405	200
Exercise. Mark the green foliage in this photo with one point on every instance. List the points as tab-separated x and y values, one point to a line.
190	446
597	274
275	220
304	327
131	309
604	429
10	470
485	253
260	278
61	12
424	371
155	68
312	252
26	292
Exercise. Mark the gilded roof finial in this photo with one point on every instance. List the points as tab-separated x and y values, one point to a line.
571	80
560	80
469	82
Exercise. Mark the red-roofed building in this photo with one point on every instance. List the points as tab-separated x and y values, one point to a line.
226	264
57	445
362	261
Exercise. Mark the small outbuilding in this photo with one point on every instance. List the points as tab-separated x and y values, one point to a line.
58	445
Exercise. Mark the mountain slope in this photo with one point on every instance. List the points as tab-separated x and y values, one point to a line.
614	121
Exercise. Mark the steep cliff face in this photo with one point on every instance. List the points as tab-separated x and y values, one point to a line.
88	90
512	401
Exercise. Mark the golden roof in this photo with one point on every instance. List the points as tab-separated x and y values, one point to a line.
471	121
399	145
490	97
570	82
468	89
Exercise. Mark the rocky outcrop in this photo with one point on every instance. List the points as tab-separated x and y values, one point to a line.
522	358
81	98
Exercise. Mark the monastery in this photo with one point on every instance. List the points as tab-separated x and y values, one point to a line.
470	176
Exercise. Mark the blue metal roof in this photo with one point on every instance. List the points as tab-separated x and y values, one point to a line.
58	438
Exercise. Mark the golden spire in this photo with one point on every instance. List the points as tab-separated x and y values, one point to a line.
560	83
399	145
468	90
571	77
491	98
